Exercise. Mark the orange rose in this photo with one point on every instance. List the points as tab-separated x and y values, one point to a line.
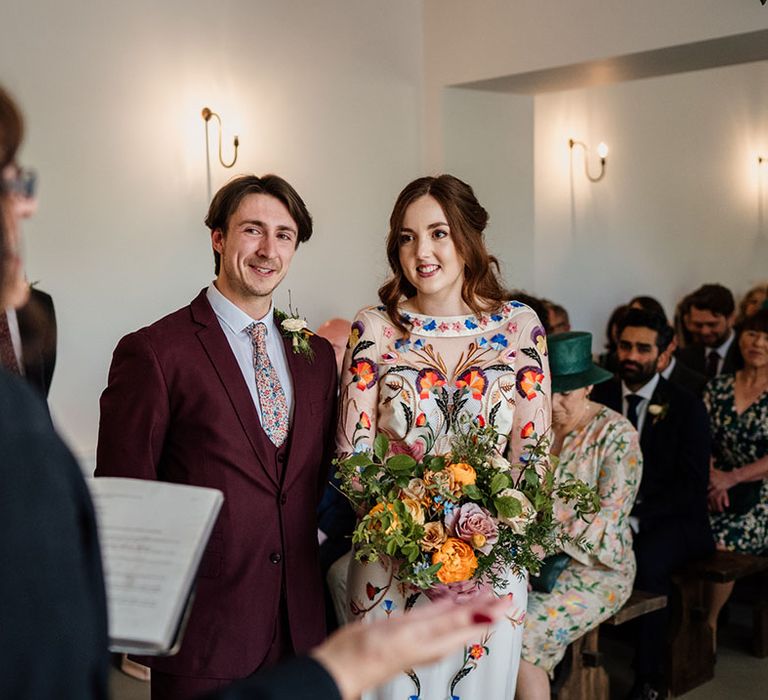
457	559
462	474
379	508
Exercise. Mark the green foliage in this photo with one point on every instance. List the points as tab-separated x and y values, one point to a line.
521	497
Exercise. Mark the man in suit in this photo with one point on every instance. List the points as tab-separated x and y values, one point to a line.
217	394
677	372
709	318
670	514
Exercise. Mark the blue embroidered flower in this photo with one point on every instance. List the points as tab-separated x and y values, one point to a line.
430	326
496	317
389	606
482	343
516	304
419	344
403	344
499	342
470	324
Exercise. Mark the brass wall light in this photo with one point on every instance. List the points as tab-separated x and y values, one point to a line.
207	114
602	153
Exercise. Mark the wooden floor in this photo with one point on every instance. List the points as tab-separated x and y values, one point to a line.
738	675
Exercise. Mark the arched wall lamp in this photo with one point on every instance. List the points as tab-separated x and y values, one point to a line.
602	152
207	114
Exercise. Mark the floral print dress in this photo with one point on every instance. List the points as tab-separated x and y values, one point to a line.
606	455
738	439
491	369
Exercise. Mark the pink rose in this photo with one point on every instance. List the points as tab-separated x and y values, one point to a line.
416	450
459	592
475	525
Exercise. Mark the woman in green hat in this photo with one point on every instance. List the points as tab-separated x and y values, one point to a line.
598	446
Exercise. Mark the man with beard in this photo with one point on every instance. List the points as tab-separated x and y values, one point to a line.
670	514
709	319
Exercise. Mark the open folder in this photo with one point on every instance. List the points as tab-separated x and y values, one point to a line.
152	535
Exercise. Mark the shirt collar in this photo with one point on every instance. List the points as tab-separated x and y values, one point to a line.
233	316
667	373
722	350
645	391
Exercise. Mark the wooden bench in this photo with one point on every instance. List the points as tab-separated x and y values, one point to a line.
586	679
691	659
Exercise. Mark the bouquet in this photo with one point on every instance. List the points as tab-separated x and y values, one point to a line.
459	519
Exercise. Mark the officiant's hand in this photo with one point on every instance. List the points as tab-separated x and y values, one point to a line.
361	656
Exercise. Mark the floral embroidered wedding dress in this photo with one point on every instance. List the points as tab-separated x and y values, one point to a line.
492	369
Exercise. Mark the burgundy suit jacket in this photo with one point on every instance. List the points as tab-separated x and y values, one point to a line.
177	409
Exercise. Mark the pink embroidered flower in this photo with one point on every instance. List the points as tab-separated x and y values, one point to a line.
475	525
512	327
443	327
388	331
456	326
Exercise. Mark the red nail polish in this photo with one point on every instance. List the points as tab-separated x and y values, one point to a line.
481	619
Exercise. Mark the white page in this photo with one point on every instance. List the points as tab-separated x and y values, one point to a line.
152	537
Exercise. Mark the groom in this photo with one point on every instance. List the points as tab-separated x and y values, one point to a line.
217	394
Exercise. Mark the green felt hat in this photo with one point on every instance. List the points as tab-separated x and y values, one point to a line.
570	362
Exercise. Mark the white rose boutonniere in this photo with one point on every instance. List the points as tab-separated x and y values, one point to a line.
658	411
296	328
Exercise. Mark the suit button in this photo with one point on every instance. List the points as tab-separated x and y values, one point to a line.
281	458
275	557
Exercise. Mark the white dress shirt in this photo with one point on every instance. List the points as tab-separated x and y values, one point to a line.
667	373
234	322
721	350
645	392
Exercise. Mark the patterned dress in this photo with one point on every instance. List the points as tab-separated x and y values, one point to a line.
493	369
738	440
605	454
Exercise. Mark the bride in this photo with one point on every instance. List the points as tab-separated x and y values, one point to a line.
446	342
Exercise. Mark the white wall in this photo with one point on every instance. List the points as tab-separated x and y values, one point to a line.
467	41
680	202
488	144
326	94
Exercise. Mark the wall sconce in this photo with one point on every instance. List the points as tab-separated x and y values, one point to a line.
207	114
602	152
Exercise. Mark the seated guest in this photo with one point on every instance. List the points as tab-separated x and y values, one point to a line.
738	488
674	370
710	320
608	359
752	302
557	316
600	447
670	514
649	304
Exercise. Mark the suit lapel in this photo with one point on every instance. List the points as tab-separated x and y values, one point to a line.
651	424
300	369
225	365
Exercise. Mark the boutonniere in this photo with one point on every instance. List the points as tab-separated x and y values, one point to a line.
658	411
296	328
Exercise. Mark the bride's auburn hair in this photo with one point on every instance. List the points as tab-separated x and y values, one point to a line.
481	290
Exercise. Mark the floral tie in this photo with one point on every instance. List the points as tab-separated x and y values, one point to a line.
274	408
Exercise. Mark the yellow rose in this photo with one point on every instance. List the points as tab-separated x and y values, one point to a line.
414	509
434	536
457	559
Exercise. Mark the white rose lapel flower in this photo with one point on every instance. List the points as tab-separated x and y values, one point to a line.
296	328
658	411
